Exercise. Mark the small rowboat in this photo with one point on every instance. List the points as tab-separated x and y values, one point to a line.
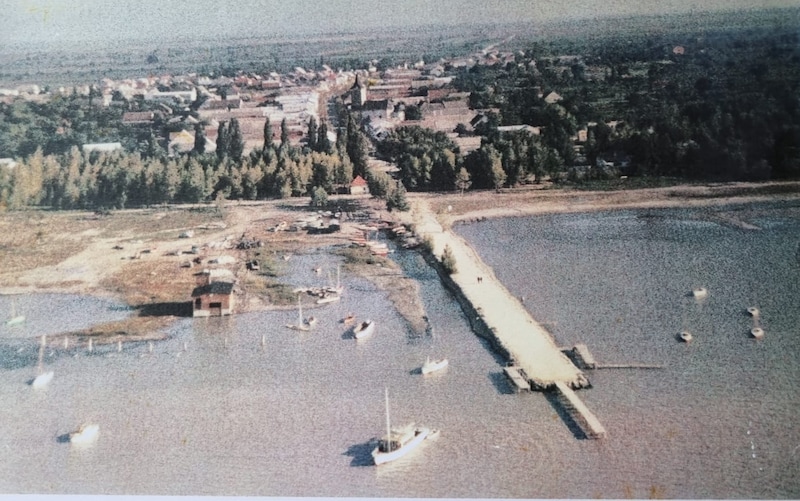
757	332
685	336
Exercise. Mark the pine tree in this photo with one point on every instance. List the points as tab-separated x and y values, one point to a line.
199	140
323	143
463	180
222	140
284	133
236	141
312	134
268	143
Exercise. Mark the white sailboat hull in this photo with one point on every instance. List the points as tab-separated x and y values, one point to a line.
435	365
379	457
42	380
364	329
86	434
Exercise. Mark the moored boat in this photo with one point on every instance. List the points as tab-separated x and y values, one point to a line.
86	434
329	297
364	329
433	365
757	332
700	292
42	380
685	336
312	321
349	319
399	442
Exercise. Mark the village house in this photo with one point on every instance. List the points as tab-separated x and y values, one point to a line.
359	186
211	298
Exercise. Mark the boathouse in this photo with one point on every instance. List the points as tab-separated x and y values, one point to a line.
212	299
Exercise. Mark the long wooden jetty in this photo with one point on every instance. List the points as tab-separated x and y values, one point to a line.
498	316
580	413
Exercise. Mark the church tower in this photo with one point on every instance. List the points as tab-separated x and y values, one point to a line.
358	93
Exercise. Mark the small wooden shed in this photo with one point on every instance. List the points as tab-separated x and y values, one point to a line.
212	299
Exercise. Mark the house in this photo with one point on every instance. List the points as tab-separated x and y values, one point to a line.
101	147
377	110
553	98
359	186
212	299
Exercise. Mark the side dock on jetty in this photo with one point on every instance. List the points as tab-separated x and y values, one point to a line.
496	315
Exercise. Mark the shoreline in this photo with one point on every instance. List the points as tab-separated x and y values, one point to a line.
94	269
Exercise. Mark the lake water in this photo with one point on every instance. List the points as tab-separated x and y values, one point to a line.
297	417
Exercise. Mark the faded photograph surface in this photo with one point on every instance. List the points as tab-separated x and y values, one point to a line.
402	249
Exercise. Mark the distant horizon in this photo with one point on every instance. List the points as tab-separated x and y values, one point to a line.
50	23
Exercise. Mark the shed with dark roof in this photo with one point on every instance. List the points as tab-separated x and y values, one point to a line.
212	299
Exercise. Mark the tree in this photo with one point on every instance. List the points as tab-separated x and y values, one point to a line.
319	197
312	134
236	141
323	144
463	180
498	175
284	133
449	260
199	140
268	144
222	140
397	198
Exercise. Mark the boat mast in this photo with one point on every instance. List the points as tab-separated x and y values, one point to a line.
388	427
299	312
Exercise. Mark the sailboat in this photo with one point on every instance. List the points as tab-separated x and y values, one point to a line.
401	441
85	435
300	326
43	378
15	319
433	365
332	293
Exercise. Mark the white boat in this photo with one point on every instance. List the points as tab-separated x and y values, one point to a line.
686	336
329	297
300	325
757	332
434	365
399	442
42	380
364	329
86	434
700	293
311	322
753	311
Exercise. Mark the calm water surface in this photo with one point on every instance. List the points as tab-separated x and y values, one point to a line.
297	417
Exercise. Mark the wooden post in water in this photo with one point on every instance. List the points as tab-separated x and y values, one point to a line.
66	342
91	348
119	346
150	346
263	340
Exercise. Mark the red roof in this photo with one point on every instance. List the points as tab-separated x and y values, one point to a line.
358	181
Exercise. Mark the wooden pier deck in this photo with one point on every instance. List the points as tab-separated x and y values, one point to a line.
520	383
580	413
527	343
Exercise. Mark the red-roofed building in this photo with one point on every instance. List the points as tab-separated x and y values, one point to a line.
359	186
